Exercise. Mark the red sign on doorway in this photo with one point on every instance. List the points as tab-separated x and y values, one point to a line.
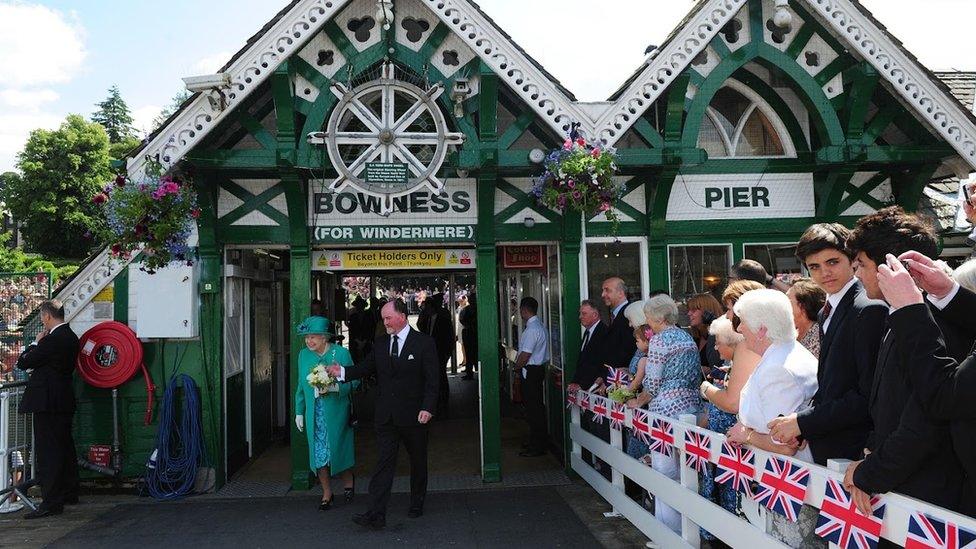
523	257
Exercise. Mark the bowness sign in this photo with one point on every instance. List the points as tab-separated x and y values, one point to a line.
420	217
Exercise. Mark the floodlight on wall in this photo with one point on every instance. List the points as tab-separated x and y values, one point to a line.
782	18
529	222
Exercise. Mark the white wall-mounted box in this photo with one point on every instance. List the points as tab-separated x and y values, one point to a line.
167	302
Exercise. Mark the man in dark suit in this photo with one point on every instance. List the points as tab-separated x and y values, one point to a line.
946	387
907	452
851	327
405	364
590	369
50	398
621	344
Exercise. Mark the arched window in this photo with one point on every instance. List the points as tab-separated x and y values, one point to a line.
739	124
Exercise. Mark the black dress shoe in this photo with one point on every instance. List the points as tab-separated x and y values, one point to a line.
415	512
530	453
367	520
41	513
326	504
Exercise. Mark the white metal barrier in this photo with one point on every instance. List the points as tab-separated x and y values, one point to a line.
698	511
16	450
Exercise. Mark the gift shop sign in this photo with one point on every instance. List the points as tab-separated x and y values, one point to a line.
741	196
421	217
394	259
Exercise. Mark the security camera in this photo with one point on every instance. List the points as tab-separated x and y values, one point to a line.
207	82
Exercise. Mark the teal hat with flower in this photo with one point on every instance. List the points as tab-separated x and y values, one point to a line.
314	325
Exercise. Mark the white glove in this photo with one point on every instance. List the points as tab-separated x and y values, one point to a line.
300	423
318	392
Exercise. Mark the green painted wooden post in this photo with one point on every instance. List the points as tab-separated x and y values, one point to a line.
570	248
211	320
487	279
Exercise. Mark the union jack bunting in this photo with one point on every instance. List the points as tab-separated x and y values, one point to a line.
617	415
571	399
782	487
584	400
842	524
662	437
698	448
736	467
641	428
618	377
599	406
928	532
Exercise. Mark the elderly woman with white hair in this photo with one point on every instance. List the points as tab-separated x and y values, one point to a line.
785	379
783	382
671	377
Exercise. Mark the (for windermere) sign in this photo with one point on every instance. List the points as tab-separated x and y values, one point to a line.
353	217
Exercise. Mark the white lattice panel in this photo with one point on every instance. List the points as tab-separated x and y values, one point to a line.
360	11
322	54
414	10
816	55
451	55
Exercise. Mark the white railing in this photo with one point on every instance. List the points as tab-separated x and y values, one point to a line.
94	278
697	511
16	450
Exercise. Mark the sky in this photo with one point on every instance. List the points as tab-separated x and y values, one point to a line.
59	57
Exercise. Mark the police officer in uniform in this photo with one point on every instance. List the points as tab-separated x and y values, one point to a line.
531	362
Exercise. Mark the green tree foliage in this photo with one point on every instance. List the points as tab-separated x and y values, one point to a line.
14	260
113	114
61	171
168	110
120	150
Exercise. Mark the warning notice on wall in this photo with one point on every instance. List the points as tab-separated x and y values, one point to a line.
392	259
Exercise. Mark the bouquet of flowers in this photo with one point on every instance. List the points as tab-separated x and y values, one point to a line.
580	176
620	394
320	380
155	214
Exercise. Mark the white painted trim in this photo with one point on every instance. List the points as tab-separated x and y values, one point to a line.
908	79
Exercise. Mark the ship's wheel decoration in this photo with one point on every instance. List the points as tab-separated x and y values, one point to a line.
387	137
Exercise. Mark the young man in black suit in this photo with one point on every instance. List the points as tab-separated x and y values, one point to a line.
621	344
851	328
50	397
946	387
908	450
406	367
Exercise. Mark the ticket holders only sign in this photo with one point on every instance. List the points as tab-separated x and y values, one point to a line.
393	259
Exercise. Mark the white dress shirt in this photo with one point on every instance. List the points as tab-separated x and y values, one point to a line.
944	302
401	339
783	382
834	300
535	341
589	331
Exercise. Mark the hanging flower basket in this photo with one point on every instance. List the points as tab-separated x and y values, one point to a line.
155	215
580	176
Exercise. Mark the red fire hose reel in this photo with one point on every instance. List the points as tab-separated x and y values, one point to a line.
110	356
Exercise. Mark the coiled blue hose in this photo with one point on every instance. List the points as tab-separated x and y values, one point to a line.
180	450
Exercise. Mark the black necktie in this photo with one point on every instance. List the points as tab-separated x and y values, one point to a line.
825	313
586	338
395	349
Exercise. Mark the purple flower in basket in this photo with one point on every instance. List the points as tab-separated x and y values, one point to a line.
571	184
576	195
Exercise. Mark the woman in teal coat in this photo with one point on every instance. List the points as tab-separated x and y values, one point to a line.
324	417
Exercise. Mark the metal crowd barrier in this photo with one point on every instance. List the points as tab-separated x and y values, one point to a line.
697	511
16	450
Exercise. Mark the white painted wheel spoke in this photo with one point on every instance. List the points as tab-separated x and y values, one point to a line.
388	111
364	158
409	117
418	138
416	166
355	138
365	115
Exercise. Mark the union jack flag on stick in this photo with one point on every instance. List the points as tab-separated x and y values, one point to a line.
782	487
599	406
736	467
662	437
617	415
928	532
584	400
571	399
641	427
618	377
698	448
842	524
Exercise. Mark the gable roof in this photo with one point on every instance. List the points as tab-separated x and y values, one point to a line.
287	32
927	96
962	86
